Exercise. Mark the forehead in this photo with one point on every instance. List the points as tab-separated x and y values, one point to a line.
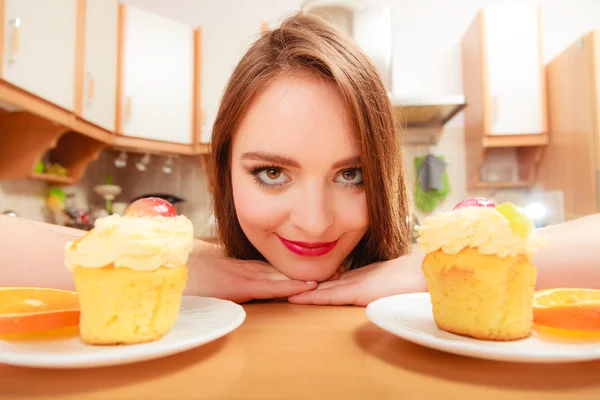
300	115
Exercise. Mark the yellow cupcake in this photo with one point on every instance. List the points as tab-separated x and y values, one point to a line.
481	280
130	273
480	295
123	306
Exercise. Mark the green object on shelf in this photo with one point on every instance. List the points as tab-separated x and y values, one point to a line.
108	204
39	167
58	193
428	201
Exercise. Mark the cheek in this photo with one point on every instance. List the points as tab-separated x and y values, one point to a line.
352	213
255	209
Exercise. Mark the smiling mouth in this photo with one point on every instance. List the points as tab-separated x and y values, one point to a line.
308	249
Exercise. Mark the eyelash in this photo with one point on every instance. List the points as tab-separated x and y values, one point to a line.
352	185
258	169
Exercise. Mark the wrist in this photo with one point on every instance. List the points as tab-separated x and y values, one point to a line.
197	275
417	281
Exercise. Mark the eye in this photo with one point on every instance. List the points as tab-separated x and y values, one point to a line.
350	176
270	176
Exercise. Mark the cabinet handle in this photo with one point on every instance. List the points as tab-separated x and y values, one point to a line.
128	109
89	98
15	25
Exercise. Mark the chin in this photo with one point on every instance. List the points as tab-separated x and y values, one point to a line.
309	270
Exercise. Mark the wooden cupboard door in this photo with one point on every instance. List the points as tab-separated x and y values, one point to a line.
515	71
39	48
570	163
158	63
99	80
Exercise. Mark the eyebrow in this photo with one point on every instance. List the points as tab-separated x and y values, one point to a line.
346	162
290	162
272	158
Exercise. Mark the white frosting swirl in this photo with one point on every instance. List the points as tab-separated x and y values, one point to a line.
483	228
138	243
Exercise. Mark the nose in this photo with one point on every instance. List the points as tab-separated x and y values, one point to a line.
312	212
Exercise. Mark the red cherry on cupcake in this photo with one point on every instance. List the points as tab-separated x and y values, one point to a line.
475	202
150	207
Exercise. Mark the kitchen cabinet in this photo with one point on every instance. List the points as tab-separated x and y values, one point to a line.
98	77
515	71
572	158
39	48
505	87
157	88
75	71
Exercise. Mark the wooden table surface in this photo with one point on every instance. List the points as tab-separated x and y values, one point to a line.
285	351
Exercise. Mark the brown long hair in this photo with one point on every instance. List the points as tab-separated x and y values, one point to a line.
304	42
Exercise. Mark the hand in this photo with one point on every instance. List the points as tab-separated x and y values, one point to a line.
239	281
364	285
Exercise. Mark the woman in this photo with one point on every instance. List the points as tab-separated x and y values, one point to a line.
308	174
308	183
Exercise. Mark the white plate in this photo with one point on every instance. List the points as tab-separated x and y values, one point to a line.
201	320
409	316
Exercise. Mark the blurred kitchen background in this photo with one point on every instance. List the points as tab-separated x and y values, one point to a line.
102	101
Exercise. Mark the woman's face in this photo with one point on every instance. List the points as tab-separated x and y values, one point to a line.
297	177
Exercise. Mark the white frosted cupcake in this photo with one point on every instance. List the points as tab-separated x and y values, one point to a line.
130	273
479	270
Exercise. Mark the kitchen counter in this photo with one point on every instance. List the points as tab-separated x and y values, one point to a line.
285	351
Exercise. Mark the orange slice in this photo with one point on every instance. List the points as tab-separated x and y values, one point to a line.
29	310
567	312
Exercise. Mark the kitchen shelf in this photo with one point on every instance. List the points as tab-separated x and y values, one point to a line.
528	153
53	179
501	185
15	99
24	141
27	138
155	146
76	152
536	139
31	127
422	119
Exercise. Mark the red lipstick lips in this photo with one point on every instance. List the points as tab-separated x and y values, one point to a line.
308	249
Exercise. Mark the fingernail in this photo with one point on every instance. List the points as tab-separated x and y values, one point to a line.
310	282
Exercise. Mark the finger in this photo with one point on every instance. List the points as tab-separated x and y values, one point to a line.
344	294
269	289
335	282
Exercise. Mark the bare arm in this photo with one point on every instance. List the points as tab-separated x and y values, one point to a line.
32	254
572	258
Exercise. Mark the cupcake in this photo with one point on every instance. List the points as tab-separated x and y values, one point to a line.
479	271
130	272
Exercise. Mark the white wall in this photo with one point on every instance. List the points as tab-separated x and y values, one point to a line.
25	197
